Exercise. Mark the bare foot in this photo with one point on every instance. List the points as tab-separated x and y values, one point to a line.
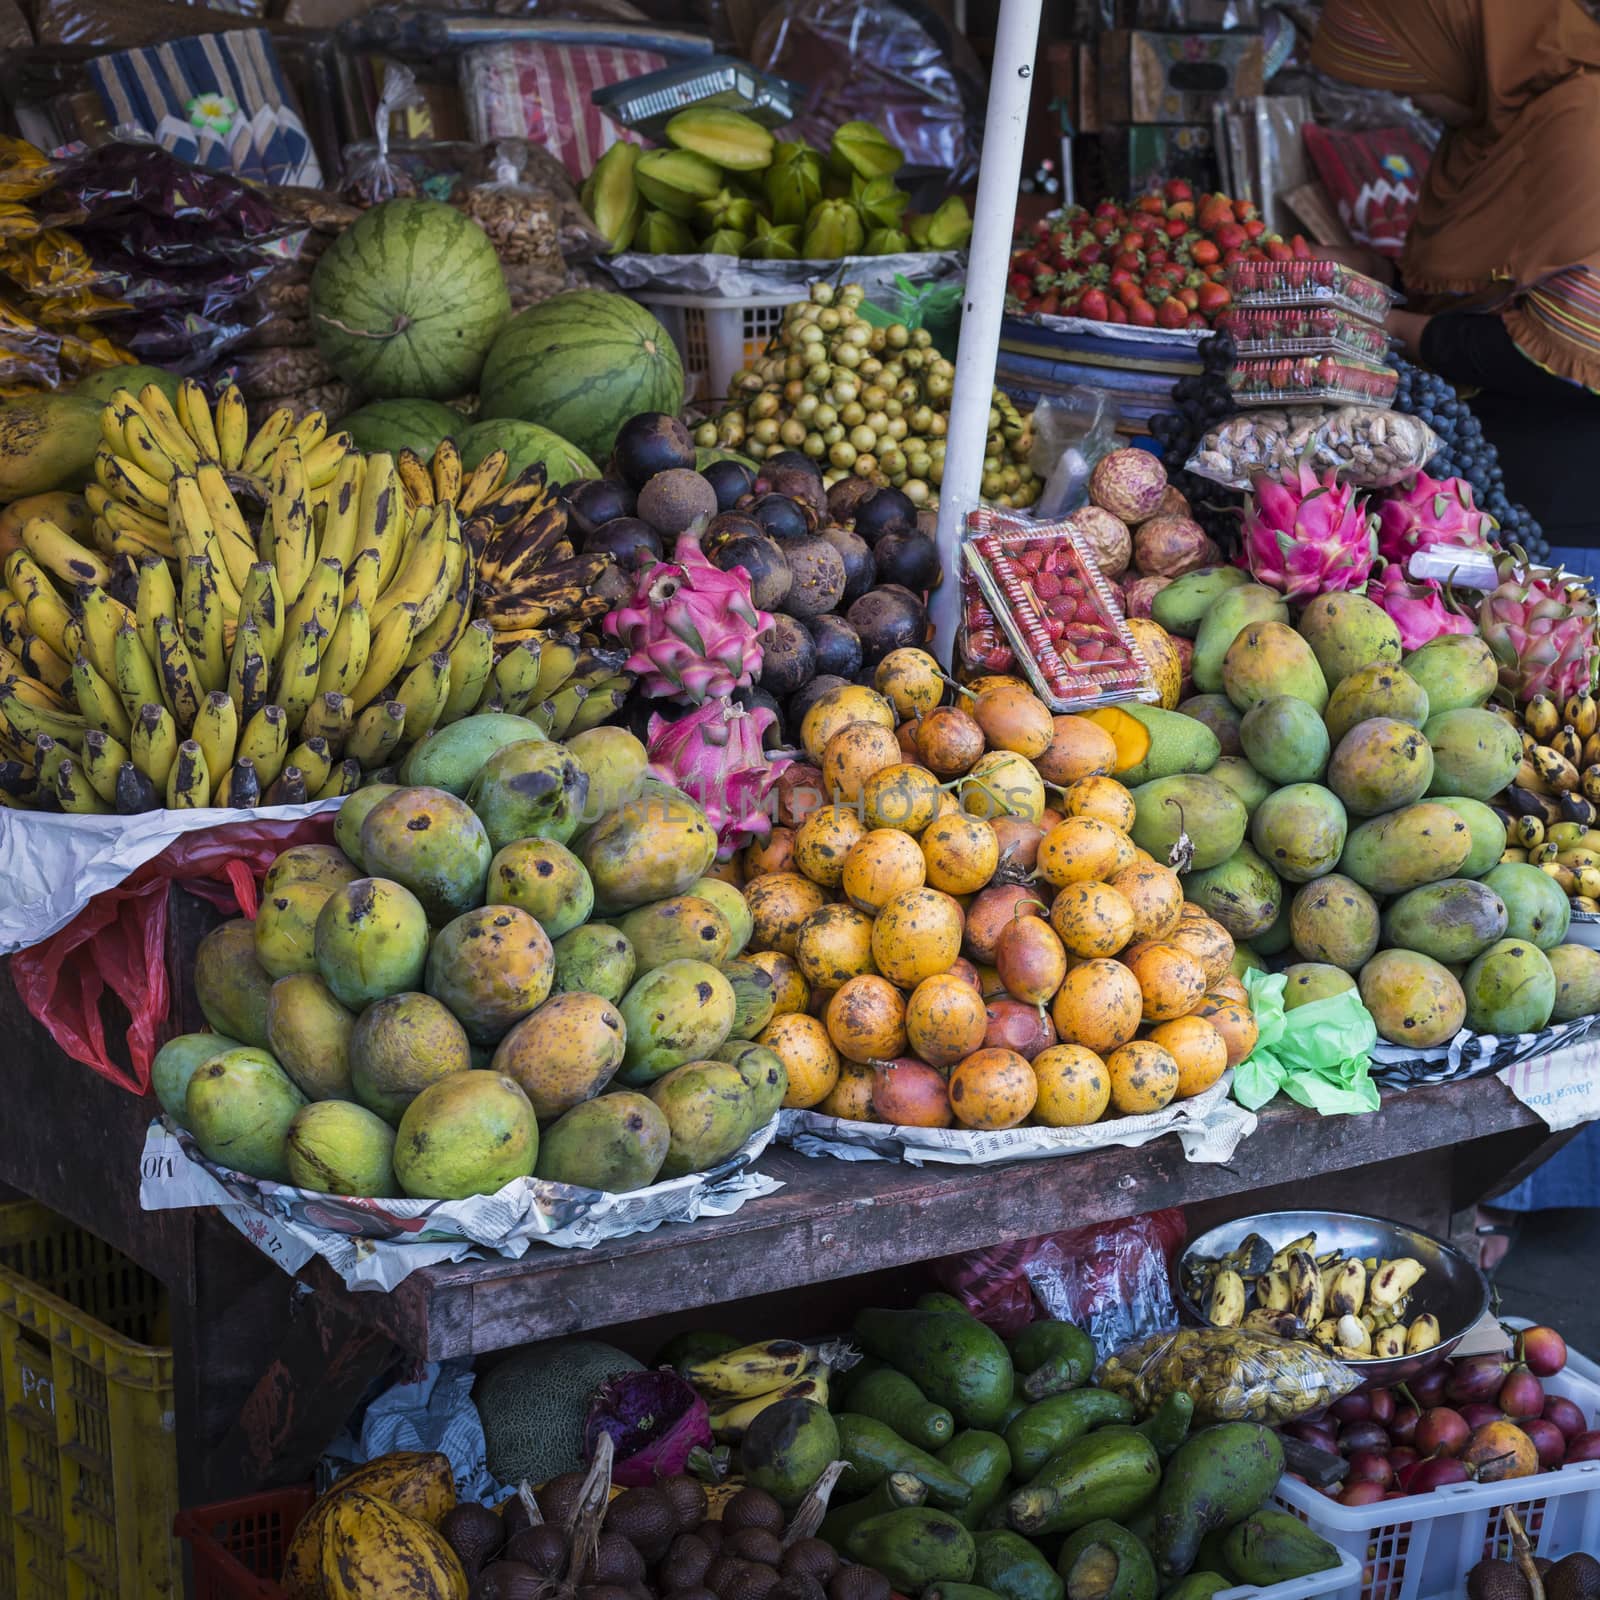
1497	1232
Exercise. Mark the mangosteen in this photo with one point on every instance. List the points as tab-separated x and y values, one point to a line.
788	657
789	461
782	517
887	619
752	1508
846	495
731	480
807	695
675	500
752	699
633	542
474	1532
730	525
909	559
838	645
688	1495
507	1580
801	484
649	443
860	570
819	577
884	511
764	563
599	501
543	1548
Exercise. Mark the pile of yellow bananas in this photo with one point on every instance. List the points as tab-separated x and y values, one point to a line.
740	1385
1352	1306
1553	804
199	656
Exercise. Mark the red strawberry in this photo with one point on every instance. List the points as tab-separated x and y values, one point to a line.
1047	586
1020	284
1188	294
1175	189
1302	251
1205	253
1243	210
1196	321
1115	312
1176	228
1254	228
1152	204
1277	250
1213	297
1089	255
1127	261
1231	236
1142	314
1093	305
1086	611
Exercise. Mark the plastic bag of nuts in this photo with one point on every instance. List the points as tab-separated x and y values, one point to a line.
519	216
1367	446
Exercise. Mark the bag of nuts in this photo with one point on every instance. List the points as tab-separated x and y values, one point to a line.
1367	446
520	217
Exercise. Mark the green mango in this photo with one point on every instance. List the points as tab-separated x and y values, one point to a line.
1214	1479
955	1361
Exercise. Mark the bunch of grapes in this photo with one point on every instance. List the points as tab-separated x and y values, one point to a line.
1201	401
1464	452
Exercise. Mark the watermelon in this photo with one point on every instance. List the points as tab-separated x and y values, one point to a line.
395	425
524	443
406	300
581	364
103	384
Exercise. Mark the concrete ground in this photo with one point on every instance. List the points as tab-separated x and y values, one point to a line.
1548	1274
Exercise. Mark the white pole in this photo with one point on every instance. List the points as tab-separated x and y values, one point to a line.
999	180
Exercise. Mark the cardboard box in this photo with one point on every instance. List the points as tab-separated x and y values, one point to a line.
1141	157
1175	77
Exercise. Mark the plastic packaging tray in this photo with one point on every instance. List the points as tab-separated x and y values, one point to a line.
1310	283
1423	1546
1304	330
649	103
1301	380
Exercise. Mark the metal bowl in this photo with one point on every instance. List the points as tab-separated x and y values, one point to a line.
1452	1288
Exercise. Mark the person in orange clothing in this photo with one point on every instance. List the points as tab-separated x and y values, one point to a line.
1502	264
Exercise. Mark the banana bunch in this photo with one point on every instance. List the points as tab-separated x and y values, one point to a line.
740	1385
1552	807
1353	1307
529	579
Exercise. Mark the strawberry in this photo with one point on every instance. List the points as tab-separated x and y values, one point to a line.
1302	251
1176	228
1151	204
1093	305
1172	313
1142	314
1129	290
1212	298
1103	228
1020	284
1047	586
1054	627
1231	236
1122	275
1277	250
1086	611
1189	295
1196	321
1254	228
1157	258
1231	256
1115	312
1128	261
1243	211
1108	209
1050	305
1205	253
1089	255
1175	189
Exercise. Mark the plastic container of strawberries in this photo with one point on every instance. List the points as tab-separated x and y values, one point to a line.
1304	380
1310	283
1304	331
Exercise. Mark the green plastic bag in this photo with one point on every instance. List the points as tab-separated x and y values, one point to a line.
1319	1055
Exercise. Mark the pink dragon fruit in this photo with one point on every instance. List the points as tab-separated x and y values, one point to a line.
1541	626
691	628
1429	511
1309	536
1415	606
714	754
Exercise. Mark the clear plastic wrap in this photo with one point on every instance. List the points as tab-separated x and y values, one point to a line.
1366	445
518	215
1071	431
1303	331
1231	1375
1310	283
1306	380
370	176
899	66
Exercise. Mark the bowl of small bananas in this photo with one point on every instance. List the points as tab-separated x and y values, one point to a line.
1386	1299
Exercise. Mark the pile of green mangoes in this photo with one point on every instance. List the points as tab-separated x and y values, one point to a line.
431	1006
981	1471
1345	801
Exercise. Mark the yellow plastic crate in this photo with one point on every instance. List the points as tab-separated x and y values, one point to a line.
88	1468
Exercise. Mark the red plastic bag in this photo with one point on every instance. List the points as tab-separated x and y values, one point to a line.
119	939
1113	1280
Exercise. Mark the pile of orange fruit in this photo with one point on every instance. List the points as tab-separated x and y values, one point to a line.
961	931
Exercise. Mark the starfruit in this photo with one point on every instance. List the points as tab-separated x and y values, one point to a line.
832	230
918	228
865	150
886	242
793	183
950	227
725	242
662	234
881	204
774	241
676	180
725	209
729	138
615	202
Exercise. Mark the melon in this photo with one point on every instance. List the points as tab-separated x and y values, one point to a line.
524	443
534	1402
396	425
582	364
407	300
103	384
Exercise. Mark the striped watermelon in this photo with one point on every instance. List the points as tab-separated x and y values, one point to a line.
524	443
405	301
395	425
581	364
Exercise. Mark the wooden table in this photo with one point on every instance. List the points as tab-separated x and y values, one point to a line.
269	1366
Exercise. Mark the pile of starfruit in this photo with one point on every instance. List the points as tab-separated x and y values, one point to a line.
724	186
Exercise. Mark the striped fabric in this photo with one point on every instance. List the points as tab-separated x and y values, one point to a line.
217	100
1563	311
1350	45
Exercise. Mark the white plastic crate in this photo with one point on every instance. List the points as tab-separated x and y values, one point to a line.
1348	1572
717	337
1423	1547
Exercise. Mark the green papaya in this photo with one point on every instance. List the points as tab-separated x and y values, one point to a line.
1015	1406
982	1461
1198	1586
938	1300
1053	1356
893	1398
1273	1547
1014	1567
898	1490
1169	1426
914	1547
696	1344
1109	1473
1105	1562
955	1361
1215	1478
1049	1426
873	1450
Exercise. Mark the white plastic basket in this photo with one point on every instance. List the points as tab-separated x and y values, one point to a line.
1348	1572
717	337
1423	1547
